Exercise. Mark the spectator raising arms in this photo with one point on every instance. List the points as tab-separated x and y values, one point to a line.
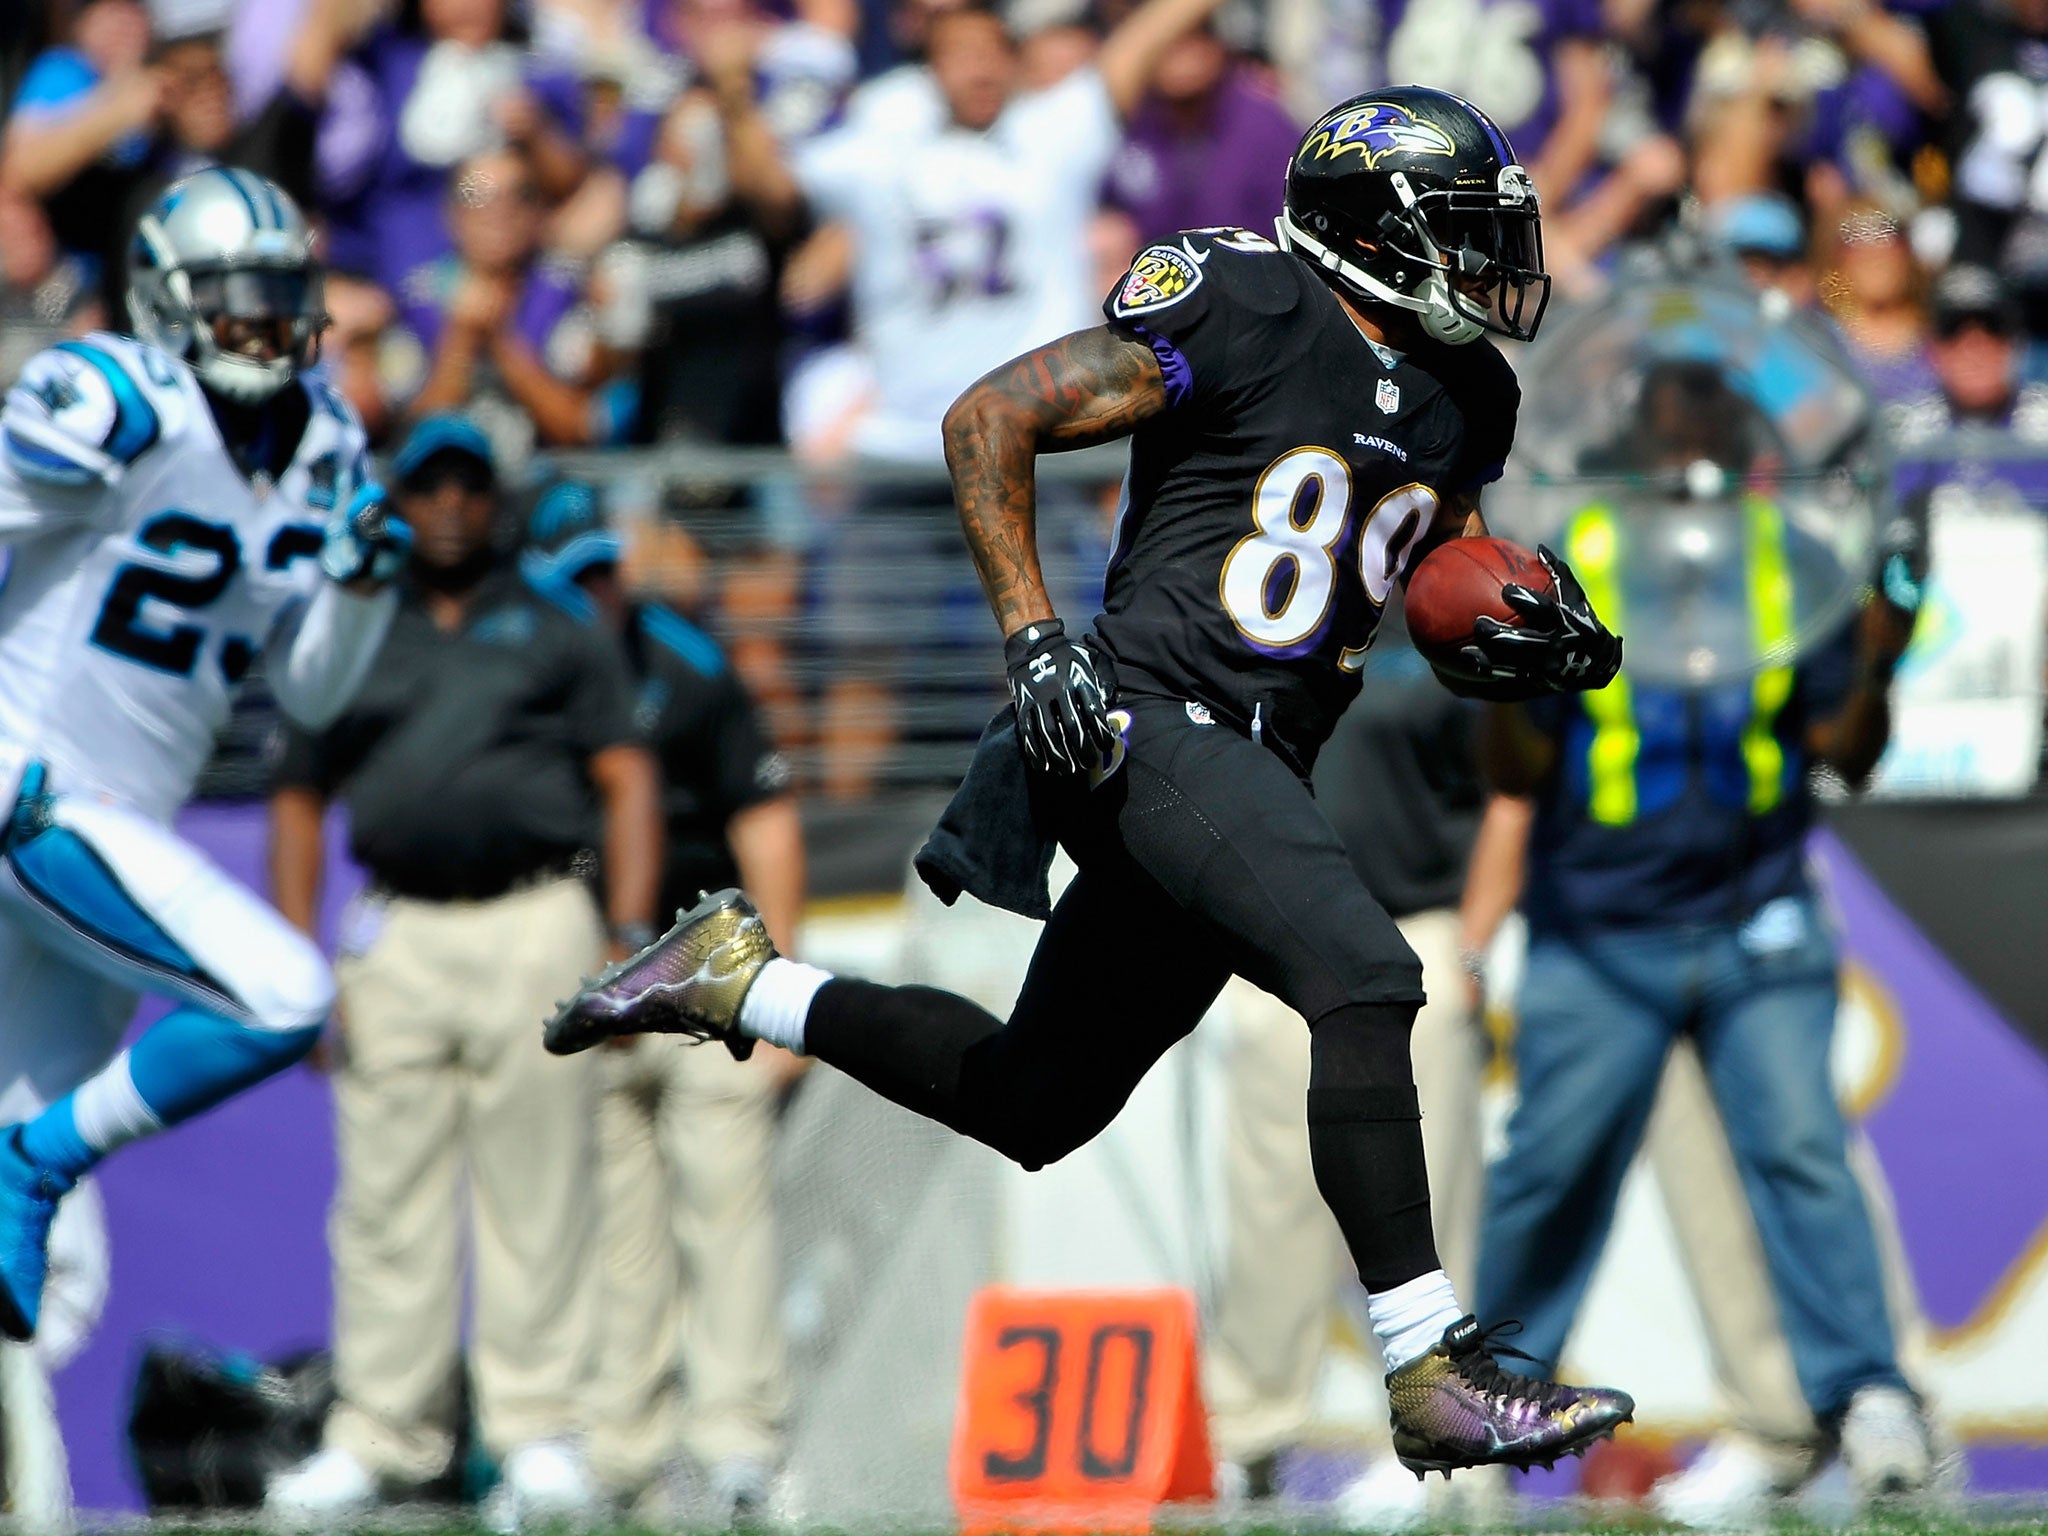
705	268
1202	147
419	101
101	126
970	224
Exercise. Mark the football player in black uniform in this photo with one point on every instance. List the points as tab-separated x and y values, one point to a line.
1306	419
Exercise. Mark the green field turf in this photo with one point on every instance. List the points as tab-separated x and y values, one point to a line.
2001	1520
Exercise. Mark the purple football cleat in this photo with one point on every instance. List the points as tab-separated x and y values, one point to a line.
1455	1407
690	981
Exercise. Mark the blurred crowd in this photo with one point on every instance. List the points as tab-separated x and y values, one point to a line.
810	223
762	221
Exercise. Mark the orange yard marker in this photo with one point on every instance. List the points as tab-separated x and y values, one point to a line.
1079	1410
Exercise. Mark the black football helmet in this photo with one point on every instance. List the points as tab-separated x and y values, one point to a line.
1412	197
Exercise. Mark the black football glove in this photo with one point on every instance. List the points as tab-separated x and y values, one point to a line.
1062	711
1559	644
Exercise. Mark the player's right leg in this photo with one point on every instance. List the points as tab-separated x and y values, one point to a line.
125	898
1087	1026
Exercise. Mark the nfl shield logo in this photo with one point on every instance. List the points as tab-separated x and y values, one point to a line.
1387	397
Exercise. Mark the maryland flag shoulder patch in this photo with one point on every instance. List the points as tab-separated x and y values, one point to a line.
1161	275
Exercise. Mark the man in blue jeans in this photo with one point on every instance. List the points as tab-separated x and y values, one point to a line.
1667	893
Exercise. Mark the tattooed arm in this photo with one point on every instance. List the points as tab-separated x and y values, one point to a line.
1082	389
1461	515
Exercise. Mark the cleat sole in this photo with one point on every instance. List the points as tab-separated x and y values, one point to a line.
1546	1458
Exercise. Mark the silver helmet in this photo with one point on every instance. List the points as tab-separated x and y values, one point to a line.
222	274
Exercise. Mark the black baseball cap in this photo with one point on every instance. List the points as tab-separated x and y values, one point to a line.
1968	293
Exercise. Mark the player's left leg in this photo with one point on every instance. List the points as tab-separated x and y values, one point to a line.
124	897
1233	835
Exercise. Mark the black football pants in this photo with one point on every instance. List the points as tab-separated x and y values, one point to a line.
1203	856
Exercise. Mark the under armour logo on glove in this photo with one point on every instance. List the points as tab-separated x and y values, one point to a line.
1063	719
1558	642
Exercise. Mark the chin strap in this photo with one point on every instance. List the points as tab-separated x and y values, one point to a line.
1440	318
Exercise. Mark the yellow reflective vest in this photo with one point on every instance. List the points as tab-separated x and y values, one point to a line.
1592	545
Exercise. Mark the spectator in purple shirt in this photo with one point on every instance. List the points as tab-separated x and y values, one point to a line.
1878	297
1202	147
1538	67
506	335
419	101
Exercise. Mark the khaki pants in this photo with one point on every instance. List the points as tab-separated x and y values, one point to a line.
444	1077
688	1257
1285	1258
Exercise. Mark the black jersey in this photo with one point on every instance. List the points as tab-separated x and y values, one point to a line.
1269	512
716	760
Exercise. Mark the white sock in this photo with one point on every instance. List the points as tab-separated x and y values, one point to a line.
778	1002
109	1111
1409	1321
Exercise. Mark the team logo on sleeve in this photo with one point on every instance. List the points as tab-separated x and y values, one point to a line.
1374	131
1161	275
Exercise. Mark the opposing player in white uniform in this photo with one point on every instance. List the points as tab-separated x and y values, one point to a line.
171	509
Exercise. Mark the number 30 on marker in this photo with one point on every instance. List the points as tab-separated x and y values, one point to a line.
1079	1410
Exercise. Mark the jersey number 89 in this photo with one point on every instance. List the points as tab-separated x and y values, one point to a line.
1280	581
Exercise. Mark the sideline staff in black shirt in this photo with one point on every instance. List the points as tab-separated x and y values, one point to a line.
468	760
693	1346
726	802
492	749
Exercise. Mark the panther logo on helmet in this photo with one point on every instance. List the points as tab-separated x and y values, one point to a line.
1374	131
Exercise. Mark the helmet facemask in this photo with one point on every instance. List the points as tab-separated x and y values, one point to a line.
1465	262
245	327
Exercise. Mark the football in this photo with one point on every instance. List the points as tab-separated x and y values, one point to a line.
1458	582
